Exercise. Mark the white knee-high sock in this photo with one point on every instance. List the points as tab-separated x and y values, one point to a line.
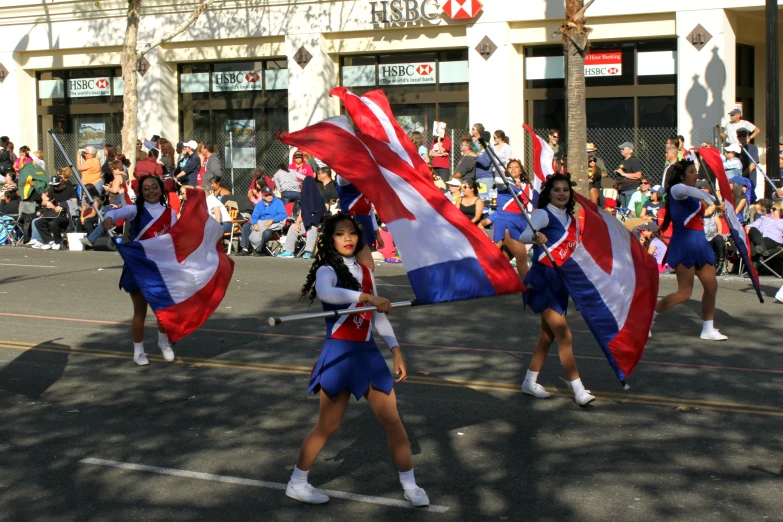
407	479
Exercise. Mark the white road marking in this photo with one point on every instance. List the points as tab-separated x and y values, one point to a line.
387	284
37	266
256	483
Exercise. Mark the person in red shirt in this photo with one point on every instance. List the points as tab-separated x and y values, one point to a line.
147	166
440	154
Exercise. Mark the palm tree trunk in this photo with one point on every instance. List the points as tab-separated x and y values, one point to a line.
129	60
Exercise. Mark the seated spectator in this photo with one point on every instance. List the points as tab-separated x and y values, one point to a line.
653	204
766	233
651	240
738	185
466	167
732	164
217	210
455	190
639	198
713	231
327	188
470	204
219	187
311	214
762	207
268	216
38	159
115	189
299	166
55	218
90	167
89	217
484	177
23	158
257	183
289	185
9	205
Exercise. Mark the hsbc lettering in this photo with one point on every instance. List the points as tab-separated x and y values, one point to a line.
406	73
403	11
88	87
236	81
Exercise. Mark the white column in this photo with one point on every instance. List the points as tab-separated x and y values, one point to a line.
158	96
496	84
17	91
706	79
308	88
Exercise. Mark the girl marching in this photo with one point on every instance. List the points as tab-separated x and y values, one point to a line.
350	361
149	217
689	253
558	230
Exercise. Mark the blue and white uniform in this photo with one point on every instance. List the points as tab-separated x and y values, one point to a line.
350	359
354	203
688	245
562	235
155	220
509	215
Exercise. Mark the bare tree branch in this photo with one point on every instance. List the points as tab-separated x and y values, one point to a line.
179	29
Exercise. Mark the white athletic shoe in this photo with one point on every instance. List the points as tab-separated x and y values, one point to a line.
305	493
33	242
56	246
141	359
47	246
583	398
534	389
714	335
417	497
37	246
168	353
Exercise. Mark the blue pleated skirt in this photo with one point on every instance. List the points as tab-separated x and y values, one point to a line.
548	290
127	281
514	223
352	366
689	248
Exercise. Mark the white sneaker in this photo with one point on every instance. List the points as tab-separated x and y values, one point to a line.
534	389
305	493
714	335
141	359
56	246
47	246
168	353
417	497
583	398
33	242
37	246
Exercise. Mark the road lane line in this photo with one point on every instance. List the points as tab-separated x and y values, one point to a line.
653	400
382	501
409	345
34	266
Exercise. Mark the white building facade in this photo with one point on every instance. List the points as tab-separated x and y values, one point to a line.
255	66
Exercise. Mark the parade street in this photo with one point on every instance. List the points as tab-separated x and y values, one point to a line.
88	435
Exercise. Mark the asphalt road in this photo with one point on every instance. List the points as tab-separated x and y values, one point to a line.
87	435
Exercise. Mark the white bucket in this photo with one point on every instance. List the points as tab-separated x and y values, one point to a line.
73	241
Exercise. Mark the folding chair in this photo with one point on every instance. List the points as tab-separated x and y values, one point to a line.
772	254
237	221
275	244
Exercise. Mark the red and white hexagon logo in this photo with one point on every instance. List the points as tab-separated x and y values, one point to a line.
252	77
462	9
613	70
102	84
424	69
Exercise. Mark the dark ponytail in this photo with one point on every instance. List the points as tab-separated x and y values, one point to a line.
678	175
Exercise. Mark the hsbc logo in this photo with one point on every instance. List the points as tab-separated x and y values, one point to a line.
424	69
102	83
409	11
252	77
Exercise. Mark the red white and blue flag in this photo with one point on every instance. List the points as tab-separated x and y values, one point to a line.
712	163
543	162
614	283
183	273
446	257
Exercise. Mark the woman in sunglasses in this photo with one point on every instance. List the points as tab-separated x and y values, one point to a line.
594	174
640	197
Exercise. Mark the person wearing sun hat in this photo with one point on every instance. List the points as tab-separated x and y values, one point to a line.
454	187
592	152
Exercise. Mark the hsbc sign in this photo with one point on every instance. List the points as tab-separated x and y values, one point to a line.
87	87
232	81
604	64
408	11
406	73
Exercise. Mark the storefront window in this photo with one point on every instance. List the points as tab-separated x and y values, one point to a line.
421	87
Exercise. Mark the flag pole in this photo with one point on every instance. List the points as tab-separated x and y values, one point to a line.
274	321
508	181
708	175
758	167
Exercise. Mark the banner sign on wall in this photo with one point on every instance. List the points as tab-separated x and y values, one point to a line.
406	73
243	139
92	134
604	64
87	87
231	81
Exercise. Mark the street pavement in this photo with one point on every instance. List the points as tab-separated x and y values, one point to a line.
87	435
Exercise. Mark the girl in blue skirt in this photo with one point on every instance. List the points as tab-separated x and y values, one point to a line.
509	216
547	295
689	253
350	361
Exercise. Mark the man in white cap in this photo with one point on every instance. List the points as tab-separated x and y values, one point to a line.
630	169
190	164
729	133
